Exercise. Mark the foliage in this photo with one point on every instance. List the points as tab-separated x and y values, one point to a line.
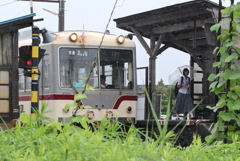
163	134
110	141
166	92
226	84
77	101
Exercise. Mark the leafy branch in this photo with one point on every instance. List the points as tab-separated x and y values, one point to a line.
226	84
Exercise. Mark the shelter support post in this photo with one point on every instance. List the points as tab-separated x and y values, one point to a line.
152	75
152	51
210	97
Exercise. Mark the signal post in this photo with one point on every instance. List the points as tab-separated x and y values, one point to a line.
34	70
29	58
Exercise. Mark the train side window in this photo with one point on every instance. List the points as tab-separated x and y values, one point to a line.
28	83
24	82
21	83
128	75
46	75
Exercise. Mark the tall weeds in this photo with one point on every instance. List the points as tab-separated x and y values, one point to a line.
38	139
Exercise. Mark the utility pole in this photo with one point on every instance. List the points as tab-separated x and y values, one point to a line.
61	15
31	6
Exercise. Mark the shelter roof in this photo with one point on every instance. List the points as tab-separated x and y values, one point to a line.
16	23
178	22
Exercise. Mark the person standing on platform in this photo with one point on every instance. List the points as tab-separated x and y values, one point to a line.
184	102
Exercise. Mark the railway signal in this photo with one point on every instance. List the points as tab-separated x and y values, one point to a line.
25	59
37	54
29	58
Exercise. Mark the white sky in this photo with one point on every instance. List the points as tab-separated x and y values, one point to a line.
95	14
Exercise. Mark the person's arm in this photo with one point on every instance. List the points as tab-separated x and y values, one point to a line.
183	85
180	83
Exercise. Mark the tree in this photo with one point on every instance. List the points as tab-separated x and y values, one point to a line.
166	92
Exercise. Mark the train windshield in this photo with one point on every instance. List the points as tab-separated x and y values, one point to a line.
116	67
75	65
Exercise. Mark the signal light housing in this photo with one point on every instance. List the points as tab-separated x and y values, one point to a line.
25	57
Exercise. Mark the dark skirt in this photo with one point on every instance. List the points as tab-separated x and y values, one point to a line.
184	103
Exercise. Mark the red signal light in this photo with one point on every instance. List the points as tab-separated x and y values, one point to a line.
29	62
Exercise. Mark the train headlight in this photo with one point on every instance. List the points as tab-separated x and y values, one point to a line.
73	37
120	39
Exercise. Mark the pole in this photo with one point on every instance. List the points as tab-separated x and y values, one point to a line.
61	15
34	71
218	56
152	76
31	6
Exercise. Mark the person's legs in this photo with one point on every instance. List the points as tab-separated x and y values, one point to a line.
185	115
177	114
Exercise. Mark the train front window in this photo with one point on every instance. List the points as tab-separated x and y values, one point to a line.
75	65
116	67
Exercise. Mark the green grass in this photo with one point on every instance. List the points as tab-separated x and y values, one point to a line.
57	141
37	139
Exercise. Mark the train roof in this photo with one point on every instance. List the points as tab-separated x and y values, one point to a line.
88	38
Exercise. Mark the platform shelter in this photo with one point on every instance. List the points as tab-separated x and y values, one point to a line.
185	27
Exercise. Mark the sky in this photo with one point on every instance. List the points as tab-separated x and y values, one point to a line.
94	14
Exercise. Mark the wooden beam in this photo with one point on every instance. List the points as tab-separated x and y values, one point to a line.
169	17
181	26
199	42
188	49
14	28
152	42
162	49
160	15
189	35
15	25
142	41
14	74
159	42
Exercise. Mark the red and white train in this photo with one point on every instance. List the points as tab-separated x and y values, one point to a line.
66	64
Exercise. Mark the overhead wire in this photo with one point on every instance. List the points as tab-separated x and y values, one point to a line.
7	3
95	59
22	10
122	4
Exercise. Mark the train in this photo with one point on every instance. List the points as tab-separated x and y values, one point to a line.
104	62
64	70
